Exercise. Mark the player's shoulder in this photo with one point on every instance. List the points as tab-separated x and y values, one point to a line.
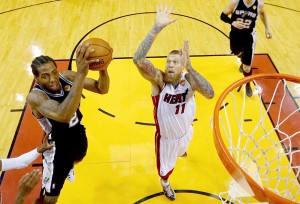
235	2
260	3
35	97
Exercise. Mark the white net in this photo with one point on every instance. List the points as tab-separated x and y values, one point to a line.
262	135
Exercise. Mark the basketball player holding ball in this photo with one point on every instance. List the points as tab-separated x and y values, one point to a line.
54	101
243	35
173	99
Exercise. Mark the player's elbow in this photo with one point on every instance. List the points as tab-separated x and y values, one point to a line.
135	59
103	91
225	18
210	94
66	118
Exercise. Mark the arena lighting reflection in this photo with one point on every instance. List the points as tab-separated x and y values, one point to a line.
296	88
19	97
36	50
28	70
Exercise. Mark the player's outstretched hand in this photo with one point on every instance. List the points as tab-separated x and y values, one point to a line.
45	145
185	53
163	15
268	34
26	184
82	62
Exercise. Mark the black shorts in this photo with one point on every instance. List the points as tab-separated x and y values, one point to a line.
70	147
245	43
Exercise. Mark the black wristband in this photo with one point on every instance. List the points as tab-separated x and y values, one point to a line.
225	18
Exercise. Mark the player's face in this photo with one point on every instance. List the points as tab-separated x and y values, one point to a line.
48	77
173	69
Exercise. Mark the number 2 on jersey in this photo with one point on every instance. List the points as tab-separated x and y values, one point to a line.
180	108
74	120
247	22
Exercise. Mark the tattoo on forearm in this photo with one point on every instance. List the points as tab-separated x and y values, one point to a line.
144	48
144	65
201	84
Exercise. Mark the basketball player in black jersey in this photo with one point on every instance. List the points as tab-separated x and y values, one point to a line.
243	35
55	103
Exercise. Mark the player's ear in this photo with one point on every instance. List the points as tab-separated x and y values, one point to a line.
35	79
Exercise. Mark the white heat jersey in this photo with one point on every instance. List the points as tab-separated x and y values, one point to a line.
174	109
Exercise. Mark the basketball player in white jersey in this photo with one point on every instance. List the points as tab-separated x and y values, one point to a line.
173	99
30	180
243	35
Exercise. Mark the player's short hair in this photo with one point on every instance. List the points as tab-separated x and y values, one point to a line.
38	61
174	52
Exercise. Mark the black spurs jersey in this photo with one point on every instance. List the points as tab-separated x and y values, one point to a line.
246	14
60	97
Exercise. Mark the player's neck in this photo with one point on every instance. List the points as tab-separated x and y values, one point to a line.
248	2
175	85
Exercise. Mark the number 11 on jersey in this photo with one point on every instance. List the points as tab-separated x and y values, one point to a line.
180	108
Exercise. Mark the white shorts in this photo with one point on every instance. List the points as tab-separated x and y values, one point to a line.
169	150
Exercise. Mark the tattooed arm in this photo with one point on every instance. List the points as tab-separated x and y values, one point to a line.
145	67
197	81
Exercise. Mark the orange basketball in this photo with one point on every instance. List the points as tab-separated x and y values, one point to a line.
102	51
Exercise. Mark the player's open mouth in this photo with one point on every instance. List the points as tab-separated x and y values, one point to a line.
54	86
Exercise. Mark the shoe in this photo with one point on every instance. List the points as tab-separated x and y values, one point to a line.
71	175
184	155
241	68
248	90
168	191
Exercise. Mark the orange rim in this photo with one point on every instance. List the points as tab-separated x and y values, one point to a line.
261	194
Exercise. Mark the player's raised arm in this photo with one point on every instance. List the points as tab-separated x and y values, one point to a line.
146	68
64	111
197	81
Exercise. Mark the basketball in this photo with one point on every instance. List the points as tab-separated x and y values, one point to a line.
102	51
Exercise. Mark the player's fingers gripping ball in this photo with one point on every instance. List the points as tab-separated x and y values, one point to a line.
102	52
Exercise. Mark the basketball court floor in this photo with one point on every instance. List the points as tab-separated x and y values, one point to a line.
120	163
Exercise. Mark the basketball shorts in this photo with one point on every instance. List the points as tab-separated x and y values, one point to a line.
245	43
59	160
169	150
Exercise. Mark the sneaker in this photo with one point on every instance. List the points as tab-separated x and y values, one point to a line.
184	155
248	90
71	175
241	68
168	191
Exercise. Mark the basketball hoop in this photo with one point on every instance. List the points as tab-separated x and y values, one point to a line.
257	139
